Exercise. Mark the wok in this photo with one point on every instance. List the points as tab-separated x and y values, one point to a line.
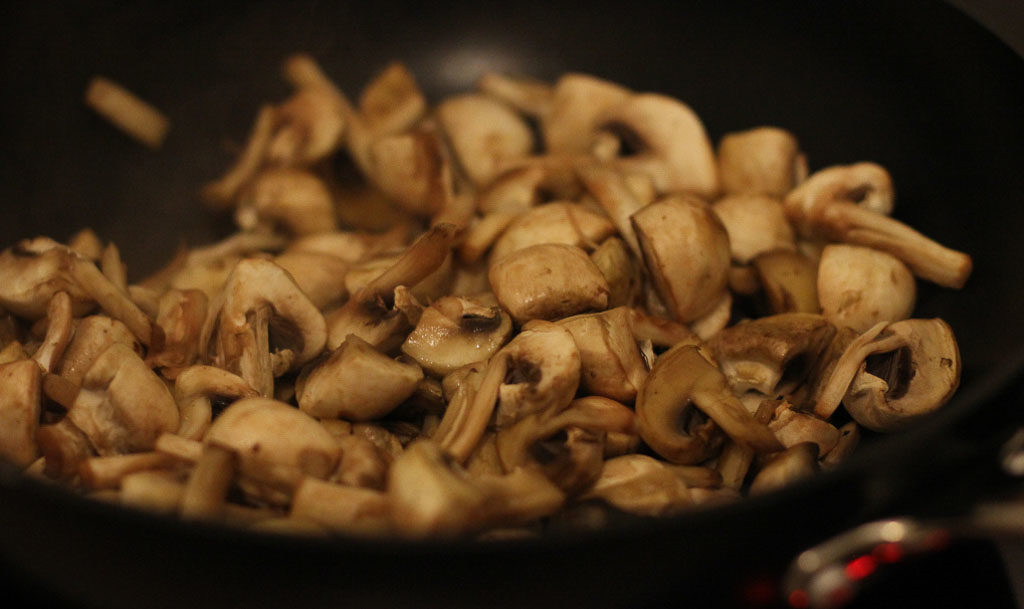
916	86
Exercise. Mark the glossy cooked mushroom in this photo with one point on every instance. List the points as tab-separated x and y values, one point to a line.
860	286
455	331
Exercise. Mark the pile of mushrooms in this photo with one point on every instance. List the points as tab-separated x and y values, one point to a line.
479	318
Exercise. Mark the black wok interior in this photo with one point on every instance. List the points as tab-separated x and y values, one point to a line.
915	86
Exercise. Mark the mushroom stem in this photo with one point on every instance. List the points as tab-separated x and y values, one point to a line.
58	332
466	419
208	484
111	299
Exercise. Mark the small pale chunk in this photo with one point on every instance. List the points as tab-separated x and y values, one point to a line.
266	433
357	383
756	224
760	161
792	427
20	405
548	281
860	286
611	362
485	134
123	405
455	331
127	111
641	485
345	509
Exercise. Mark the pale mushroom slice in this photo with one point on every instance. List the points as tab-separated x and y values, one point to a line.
556	222
849	222
786	467
861	286
529	96
612	365
680	383
793	427
895	374
771	355
543	373
686	251
392	101
357	383
59	327
639	484
577	103
196	387
867	184
433	496
346	509
320	275
788	281
412	169
20	408
610	187
755	224
760	161
260	316
668	143
92	335
291	198
455	331
180	316
431	287
485	134
123	406
548	281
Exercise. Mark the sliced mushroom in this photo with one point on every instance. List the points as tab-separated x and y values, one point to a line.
180	316
680	383
543	373
848	222
611	187
32	271
641	485
708	326
123	406
622	271
473	392
347	509
455	331
392	101
793	427
659	331
686	251
484	133
735	460
860	286
867	184
194	391
351	246
432	495
577	103
849	438
548	281
558	222
772	355
20	407
612	365
786	467
755	223
895	374
362	463
788	280
669	141
320	276
92	336
432	286
64	448
357	383
760	161
58	332
294	198
262	310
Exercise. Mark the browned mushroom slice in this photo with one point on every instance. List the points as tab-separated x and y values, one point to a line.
93	334
362	463
686	251
368	312
20	406
641	485
431	495
734	461
893	376
659	331
543	373
262	310
623	272
680	383
848	222
456	331
577	103
221	192
181	316
411	169
123	406
357	383
772	355
548	281
788	280
351	246
195	387
760	161
293	198
793	427
669	141
755	223
64	448
485	134
611	189
795	463
558	222
611	362
860	286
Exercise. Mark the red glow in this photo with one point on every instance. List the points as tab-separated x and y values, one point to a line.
837	597
761	592
937	540
798	599
860	567
888	552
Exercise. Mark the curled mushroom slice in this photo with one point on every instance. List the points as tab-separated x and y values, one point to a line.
792	427
848	222
891	377
455	331
196	387
860	286
771	355
755	224
368	313
290	197
788	280
867	184
411	168
577	103
543	373
20	407
485	134
795	463
680	383
357	383
641	485
668	142
661	332
611	189
262	309
611	362
548	281
760	161
432	286
265	433
558	222
123	406
432	495
734	461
